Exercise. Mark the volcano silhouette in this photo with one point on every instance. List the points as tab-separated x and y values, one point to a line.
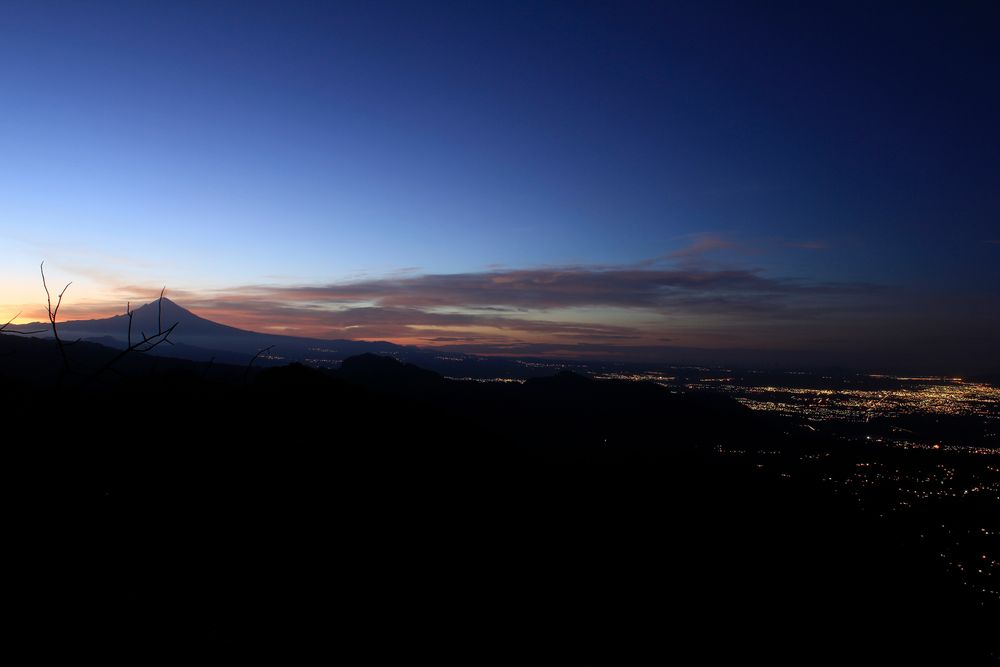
198	338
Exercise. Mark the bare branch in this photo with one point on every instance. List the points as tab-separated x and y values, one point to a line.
10	320
155	339
261	351
48	296
59	301
128	311
20	333
145	345
52	316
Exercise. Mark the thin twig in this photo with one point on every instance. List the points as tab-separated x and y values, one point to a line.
53	314
146	344
128	311
150	343
20	333
246	373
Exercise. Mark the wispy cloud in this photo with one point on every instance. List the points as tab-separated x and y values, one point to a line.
556	288
573	310
703	244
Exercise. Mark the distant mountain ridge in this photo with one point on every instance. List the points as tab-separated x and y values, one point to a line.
201	339
148	317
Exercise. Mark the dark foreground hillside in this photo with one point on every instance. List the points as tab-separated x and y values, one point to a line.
384	512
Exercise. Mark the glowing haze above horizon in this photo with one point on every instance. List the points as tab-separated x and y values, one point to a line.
570	179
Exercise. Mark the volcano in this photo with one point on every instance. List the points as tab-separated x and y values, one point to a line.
201	339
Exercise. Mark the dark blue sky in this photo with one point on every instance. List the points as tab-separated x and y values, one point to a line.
819	146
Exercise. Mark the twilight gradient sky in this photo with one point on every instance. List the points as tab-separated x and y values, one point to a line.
577	178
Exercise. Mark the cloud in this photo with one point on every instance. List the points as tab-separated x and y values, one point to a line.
626	312
575	310
702	245
395	323
578	310
557	288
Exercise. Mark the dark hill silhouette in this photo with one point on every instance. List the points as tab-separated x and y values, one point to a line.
388	372
369	364
206	507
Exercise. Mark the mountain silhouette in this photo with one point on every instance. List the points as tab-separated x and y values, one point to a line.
200	339
377	365
148	317
197	338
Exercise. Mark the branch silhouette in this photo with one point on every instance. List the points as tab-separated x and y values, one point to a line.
128	311
146	344
3	329
52	313
246	373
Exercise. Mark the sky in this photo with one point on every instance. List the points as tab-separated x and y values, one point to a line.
574	179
